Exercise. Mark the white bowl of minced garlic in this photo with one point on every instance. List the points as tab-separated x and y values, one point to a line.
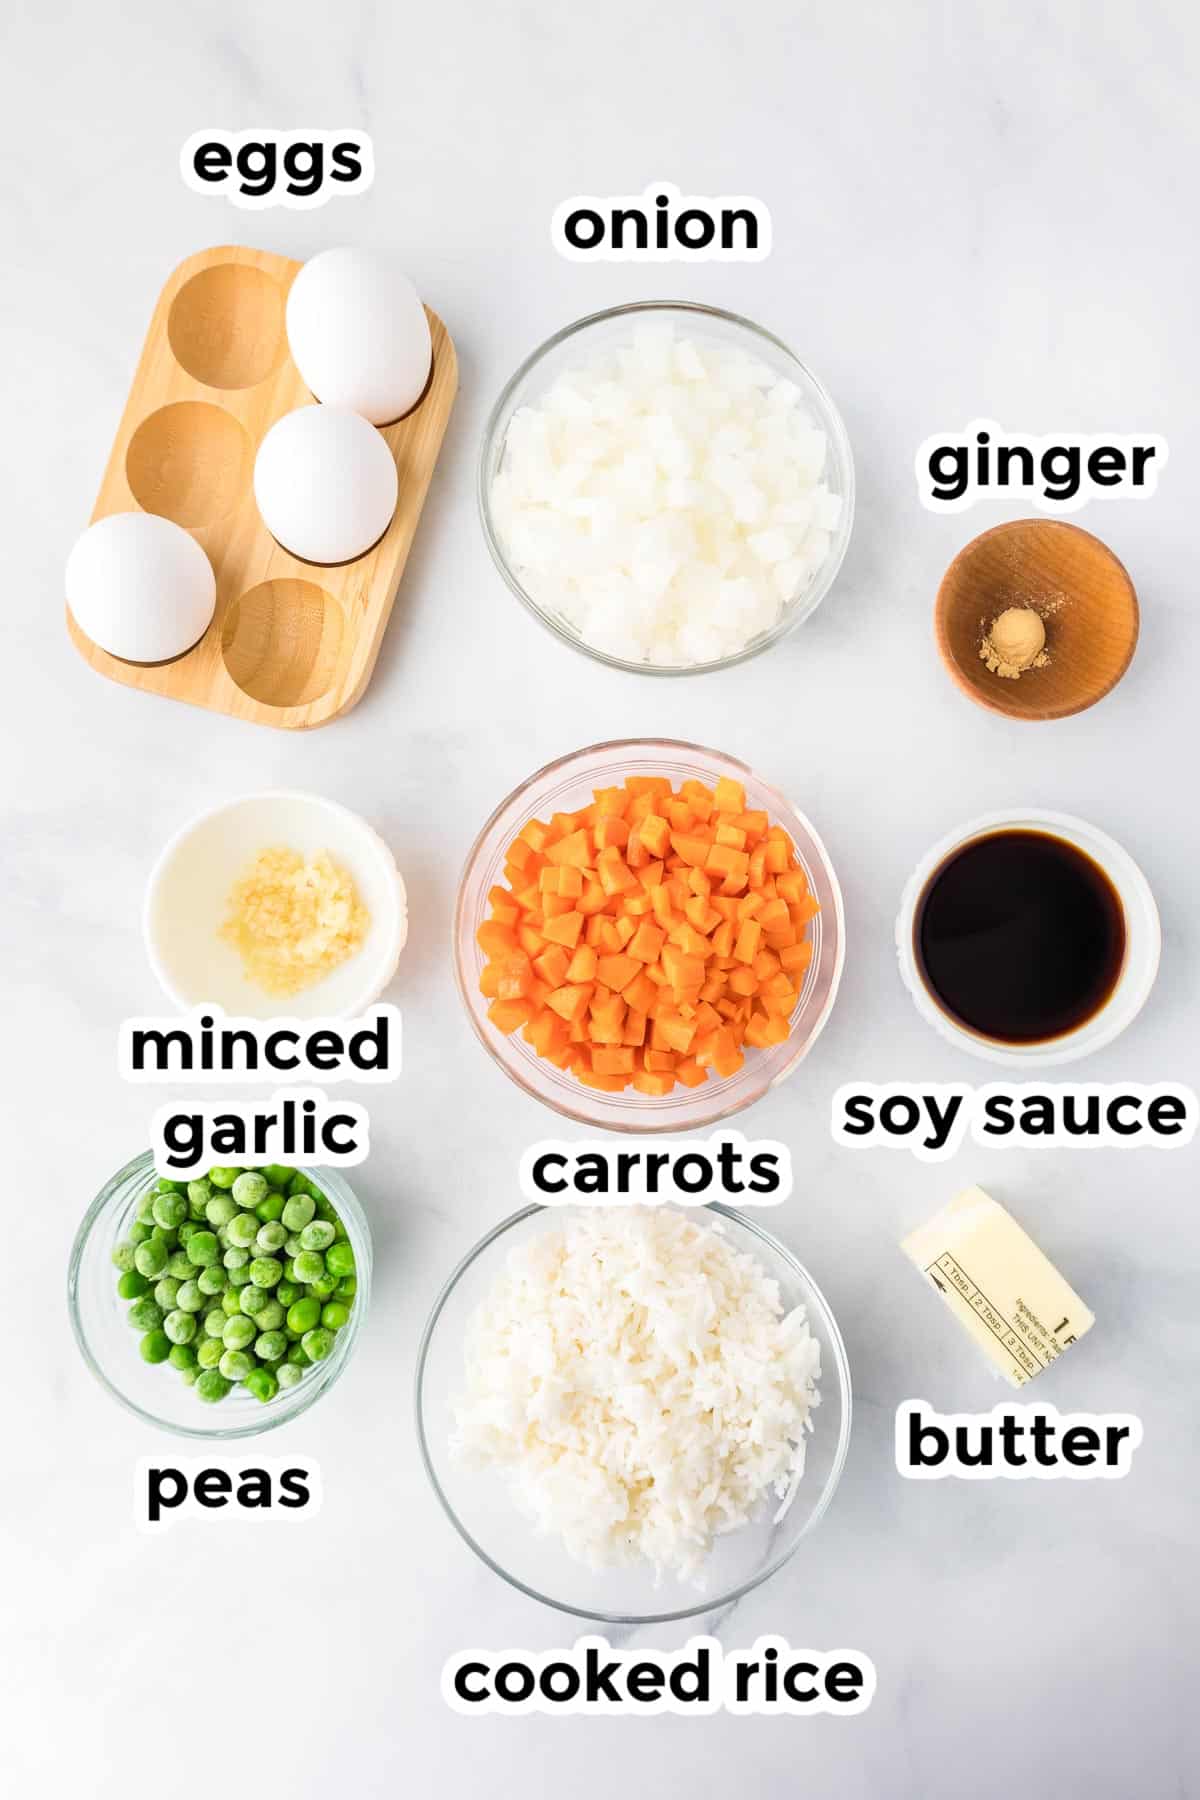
279	903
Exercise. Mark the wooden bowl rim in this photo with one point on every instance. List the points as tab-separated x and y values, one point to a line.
1000	703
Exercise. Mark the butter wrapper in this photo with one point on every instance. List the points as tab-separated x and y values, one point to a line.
1002	1290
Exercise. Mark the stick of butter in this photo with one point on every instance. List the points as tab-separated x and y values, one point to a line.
997	1283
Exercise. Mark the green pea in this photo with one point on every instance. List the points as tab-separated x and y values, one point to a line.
254	1300
138	1232
132	1285
249	1189
155	1346
334	1315
221	1209
212	1280
189	1298
269	1208
288	1374
347	1287
212	1386
239	1333
287	1292
243	1229
180	1326
339	1259
150	1259
215	1323
318	1344
292	1245
122	1256
166	1291
270	1238
317	1236
302	1184
262	1384
231	1302
298	1211
200	1192
304	1315
182	1356
239	1277
271	1316
235	1365
167	1185
324	1288
170	1210
235	1258
180	1267
278	1174
145	1315
299	1355
271	1346
188	1230
265	1271
309	1266
203	1248
209	1352
223	1177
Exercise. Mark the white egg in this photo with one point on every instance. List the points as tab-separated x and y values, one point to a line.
141	587
358	334
325	483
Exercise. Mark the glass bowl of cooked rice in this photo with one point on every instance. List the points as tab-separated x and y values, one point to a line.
633	1414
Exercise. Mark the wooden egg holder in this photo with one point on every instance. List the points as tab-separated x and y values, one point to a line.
291	644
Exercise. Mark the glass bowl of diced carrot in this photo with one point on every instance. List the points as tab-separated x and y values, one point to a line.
648	936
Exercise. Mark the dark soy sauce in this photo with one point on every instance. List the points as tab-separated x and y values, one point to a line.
1020	936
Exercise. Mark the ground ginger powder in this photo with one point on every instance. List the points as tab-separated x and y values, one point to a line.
293	921
1015	643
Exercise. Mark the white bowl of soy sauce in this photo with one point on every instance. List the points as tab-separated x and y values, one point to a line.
1028	938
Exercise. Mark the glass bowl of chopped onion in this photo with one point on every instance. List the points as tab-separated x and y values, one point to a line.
633	1414
568	784
667	487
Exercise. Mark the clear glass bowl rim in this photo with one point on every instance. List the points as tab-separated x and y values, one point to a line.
353	1217
709	1602
793	615
612	745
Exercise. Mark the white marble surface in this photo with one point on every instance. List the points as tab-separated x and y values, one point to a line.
973	214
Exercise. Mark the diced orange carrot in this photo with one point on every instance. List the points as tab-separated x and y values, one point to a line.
611	833
506	1015
573	849
729	796
655	833
657	1085
634	1030
570	1002
691	849
618	970
646	943
582	966
748	940
494	938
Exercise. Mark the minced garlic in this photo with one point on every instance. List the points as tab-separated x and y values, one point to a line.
293	921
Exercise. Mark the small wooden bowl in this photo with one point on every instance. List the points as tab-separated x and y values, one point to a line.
1081	591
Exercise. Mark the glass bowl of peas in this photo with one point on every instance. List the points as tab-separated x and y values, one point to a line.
222	1306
